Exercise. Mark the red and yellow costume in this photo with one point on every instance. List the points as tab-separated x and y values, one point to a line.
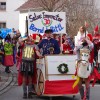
67	48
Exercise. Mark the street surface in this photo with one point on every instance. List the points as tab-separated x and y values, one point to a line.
14	92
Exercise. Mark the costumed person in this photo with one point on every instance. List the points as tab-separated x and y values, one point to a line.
91	59
44	36
19	54
27	51
14	41
96	34
78	39
96	42
83	46
57	37
12	33
66	48
8	53
70	41
49	45
36	37
1	51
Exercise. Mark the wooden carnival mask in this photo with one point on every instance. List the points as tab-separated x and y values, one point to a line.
84	54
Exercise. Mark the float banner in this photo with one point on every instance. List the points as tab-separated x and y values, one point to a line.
38	22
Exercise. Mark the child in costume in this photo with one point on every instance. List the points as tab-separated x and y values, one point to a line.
8	53
69	39
27	54
67	48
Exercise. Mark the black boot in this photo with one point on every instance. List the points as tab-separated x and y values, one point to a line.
30	91
7	69
25	91
33	90
82	92
25	96
88	93
30	95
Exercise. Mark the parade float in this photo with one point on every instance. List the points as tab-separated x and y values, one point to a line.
54	75
54	72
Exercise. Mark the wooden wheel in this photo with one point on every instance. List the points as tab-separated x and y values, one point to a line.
40	82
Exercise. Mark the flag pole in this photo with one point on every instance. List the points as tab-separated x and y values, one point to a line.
27	26
61	49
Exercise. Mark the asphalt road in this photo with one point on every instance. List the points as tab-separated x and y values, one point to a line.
16	93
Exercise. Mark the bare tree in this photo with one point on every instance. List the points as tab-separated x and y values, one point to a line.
77	12
52	5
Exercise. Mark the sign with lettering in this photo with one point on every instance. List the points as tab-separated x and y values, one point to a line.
38	22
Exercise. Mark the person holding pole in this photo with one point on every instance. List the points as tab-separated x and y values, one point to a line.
27	56
82	41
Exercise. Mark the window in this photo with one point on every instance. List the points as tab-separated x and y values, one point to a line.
2	5
2	24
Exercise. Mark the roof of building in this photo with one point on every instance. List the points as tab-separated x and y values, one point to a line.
29	5
38	4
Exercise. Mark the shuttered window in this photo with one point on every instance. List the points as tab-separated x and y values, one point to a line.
2	5
2	24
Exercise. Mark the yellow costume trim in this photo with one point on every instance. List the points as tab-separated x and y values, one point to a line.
76	82
28	52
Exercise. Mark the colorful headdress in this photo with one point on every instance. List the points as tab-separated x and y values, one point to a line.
96	29
90	36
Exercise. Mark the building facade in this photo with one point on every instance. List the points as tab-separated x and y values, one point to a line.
30	5
9	17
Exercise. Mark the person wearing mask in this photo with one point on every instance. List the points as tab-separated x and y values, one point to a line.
83	41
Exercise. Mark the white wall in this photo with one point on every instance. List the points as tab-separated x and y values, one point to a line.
10	16
97	3
22	23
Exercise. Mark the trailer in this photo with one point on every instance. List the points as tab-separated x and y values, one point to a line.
54	75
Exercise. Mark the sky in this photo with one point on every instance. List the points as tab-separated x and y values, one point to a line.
97	3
